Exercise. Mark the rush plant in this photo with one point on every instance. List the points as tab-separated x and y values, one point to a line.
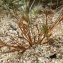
30	37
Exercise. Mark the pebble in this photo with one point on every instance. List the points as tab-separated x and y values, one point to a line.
42	52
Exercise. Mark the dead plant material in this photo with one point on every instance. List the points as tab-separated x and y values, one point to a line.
58	20
48	11
14	48
48	31
29	36
25	31
25	17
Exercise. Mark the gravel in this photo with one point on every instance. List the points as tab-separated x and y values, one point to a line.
44	53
